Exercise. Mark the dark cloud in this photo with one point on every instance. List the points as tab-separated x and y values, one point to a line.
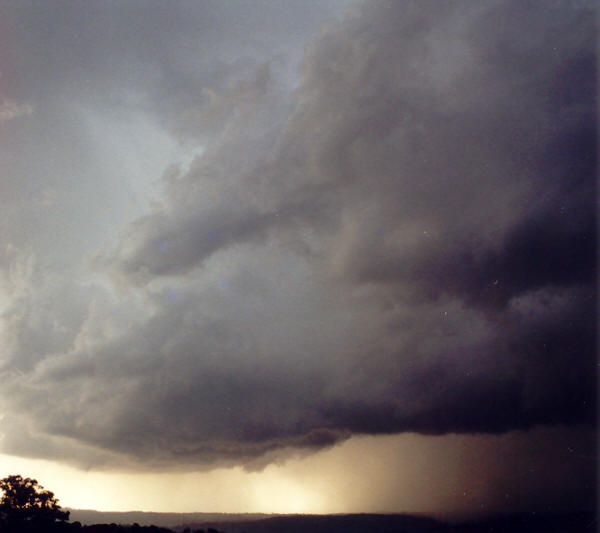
406	242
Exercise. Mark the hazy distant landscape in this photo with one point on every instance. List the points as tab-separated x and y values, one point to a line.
27	507
582	522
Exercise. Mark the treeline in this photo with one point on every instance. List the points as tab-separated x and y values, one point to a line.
76	527
26	507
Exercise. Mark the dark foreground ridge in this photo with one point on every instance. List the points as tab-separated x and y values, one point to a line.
581	522
347	523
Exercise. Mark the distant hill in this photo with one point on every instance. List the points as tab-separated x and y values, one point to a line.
583	522
349	523
170	520
575	522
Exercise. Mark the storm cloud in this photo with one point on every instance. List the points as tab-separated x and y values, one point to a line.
400	235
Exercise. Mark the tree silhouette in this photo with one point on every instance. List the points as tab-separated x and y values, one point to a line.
26	506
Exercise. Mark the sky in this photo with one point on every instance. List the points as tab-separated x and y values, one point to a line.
279	256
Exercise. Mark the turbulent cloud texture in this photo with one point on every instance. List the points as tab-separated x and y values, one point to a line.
402	238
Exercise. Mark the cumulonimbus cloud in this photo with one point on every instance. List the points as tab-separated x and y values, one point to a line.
404	243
